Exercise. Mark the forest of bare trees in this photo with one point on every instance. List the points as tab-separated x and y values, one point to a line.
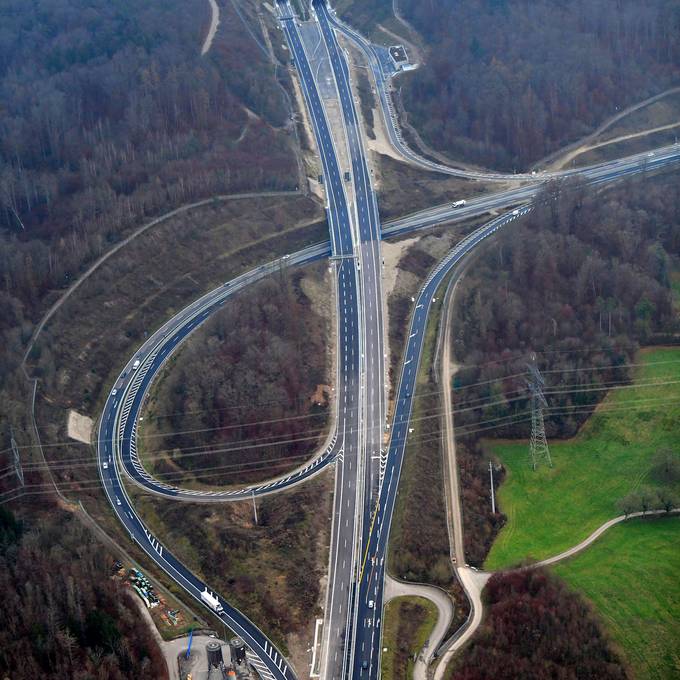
505	82
265	353
109	115
63	616
537	628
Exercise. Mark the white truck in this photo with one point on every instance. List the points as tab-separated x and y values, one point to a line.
212	601
458	204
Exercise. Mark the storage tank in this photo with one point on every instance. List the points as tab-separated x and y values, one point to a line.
237	648
214	653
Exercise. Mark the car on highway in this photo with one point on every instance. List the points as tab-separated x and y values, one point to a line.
135	365
370	604
105	465
114	392
118	501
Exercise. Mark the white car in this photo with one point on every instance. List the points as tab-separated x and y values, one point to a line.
118	501
114	392
135	366
105	465
370	604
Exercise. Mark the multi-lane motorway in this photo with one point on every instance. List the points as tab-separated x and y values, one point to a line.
372	395
363	506
659	159
372	572
360	227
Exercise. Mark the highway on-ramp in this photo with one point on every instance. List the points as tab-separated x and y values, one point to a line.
351	411
660	159
357	416
269	662
372	572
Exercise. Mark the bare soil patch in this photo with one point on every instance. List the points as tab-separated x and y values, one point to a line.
79	427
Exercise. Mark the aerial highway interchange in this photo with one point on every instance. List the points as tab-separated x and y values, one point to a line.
367	469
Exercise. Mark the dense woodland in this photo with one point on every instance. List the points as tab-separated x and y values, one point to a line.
536	628
63	616
110	115
507	81
582	281
265	353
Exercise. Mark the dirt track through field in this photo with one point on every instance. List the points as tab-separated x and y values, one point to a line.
558	165
557	159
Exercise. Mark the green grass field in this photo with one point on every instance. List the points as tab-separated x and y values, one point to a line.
552	509
408	623
631	577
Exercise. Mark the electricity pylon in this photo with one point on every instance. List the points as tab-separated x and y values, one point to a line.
17	460
538	445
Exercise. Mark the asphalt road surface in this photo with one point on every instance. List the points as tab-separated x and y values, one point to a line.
372	572
355	425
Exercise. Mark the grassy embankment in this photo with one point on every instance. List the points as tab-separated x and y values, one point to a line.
661	113
630	576
419	547
408	622
552	509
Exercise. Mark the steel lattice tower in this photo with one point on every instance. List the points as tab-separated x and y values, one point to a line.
538	445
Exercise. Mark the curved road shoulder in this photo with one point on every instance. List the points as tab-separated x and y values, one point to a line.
395	588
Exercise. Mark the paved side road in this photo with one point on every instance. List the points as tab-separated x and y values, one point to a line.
473	582
441	600
212	30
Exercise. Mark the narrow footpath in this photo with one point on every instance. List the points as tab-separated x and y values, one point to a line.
473	582
214	23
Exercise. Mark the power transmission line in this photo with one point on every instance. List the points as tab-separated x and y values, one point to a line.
538	445
270	441
91	484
